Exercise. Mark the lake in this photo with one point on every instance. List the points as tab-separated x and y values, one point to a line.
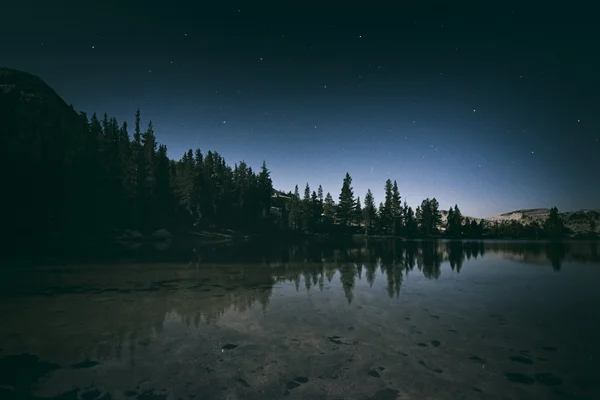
381	320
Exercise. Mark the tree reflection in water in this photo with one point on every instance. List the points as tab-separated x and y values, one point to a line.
121	306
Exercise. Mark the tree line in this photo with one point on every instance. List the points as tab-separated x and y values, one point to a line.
96	177
133	184
313	214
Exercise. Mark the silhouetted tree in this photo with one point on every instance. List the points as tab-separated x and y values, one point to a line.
429	217
450	223
411	223
370	213
346	206
554	226
316	211
306	209
396	213
294	210
358	212
328	210
386	213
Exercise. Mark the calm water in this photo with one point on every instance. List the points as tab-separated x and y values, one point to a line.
424	320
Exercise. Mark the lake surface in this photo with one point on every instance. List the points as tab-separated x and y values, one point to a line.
412	320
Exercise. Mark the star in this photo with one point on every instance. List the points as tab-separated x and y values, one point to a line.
224	122
578	120
261	59
149	71
533	152
325	87
185	34
359	36
315	126
93	47
474	110
413	122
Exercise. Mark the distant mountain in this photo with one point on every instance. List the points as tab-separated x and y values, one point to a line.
445	217
36	122
40	134
576	221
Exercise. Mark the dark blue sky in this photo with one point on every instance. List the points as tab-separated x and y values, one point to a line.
493	108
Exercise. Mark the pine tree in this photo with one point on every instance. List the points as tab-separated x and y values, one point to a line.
450	223
315	211
387	212
265	190
466	229
436	215
396	213
186	193
137	135
404	218
139	171
320	194
306	209
370	213
474	229
329	206
429	217
163	188
411	223
554	226
148	185
346	204
592	227
424	217
306	197
294	210
458	220
358	213
126	177
328	211
381	223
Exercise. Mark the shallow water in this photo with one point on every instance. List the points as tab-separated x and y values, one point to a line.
422	320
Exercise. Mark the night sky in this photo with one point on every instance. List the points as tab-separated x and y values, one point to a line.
493	108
